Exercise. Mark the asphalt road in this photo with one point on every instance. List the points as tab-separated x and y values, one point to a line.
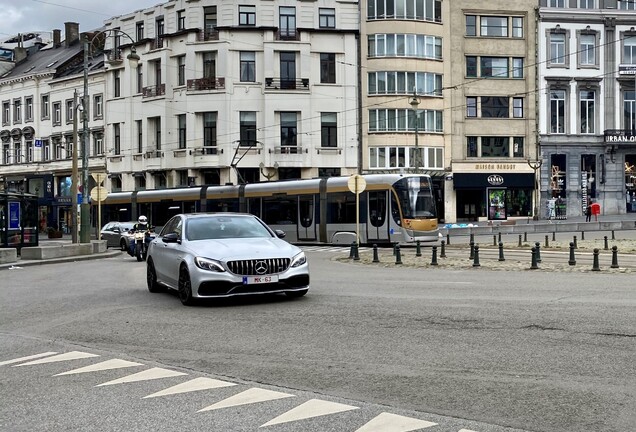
467	350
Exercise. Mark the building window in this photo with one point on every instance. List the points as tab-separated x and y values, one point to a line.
471	146
209	66
156	65
181	19
557	111
140	182
98	103
288	70
493	26
557	3
517	27
57	113
405	45
424	83
46	154
17	111
287	21
28	103
209	21
471	25
59	149
181	70
403	120
160	180
116	139
288	129
247	15
588	4
209	133
421	10
627	4
155	127
326	18
181	121
517	67
517	147
247	128
44	109
587	49
116	83
140	30
70	109
248	66
329	129
517	107
629	110
405	157
115	184
6	113
327	68
494	107
629	49
140	79
98	144
159	31
471	106
587	99
494	67
557	49
495	147
471	66
140	136
29	151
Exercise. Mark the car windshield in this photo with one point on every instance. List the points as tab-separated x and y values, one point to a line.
225	227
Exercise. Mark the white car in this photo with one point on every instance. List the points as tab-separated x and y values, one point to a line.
216	255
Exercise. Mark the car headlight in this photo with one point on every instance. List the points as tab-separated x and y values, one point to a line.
299	260
208	264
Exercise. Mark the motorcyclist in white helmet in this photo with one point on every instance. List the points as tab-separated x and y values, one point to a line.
142	224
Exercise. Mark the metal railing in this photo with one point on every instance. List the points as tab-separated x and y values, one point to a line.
206	84
155	90
287	84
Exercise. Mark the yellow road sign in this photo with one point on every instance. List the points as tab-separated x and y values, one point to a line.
99	193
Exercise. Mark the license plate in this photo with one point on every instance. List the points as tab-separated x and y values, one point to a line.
249	280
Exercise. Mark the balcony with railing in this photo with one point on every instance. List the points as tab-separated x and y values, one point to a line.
202	84
115	56
287	84
288	35
154	91
208	35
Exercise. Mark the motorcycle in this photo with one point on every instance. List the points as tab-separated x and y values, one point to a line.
140	239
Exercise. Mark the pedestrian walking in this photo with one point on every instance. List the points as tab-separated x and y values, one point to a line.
588	212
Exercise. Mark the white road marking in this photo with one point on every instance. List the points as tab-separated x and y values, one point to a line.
21	359
150	374
73	355
311	408
192	385
250	396
387	422
467	430
105	365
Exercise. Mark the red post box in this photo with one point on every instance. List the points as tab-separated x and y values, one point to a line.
596	210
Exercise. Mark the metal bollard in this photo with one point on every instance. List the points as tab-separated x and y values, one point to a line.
494	240
572	261
613	236
499	237
533	262
547	245
605	246
576	246
394	246
525	236
447	238
398	255
472	238
443	252
537	246
476	259
375	254
472	250
418	251
614	257
519	240
582	235
553	235
434	256
356	257
595	266
501	253
351	251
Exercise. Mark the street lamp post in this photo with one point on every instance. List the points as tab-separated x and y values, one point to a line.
535	165
133	58
74	179
414	102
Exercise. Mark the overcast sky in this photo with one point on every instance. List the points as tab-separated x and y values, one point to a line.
23	16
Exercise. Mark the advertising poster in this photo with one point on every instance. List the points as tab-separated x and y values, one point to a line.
497	204
14	215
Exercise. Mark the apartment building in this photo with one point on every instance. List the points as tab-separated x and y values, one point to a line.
232	92
587	103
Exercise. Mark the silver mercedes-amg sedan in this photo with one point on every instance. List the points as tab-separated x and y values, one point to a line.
212	255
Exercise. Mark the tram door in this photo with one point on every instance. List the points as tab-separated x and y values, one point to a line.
377	216
306	217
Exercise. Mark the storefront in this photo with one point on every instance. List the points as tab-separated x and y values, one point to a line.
493	195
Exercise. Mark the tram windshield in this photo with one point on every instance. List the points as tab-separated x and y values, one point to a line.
416	197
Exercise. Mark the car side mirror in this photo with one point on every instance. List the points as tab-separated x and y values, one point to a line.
280	233
117	230
171	238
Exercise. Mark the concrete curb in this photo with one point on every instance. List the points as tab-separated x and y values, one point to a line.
26	263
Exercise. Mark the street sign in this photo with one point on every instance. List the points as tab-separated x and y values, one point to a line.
356	183
38	143
99	178
99	193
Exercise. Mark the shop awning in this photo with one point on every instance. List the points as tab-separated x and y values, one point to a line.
484	180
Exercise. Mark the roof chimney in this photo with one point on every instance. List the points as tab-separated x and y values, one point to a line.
57	37
71	33
19	54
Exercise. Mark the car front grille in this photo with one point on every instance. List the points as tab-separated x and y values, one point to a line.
258	267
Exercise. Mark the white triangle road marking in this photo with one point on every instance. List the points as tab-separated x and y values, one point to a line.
31	357
387	422
467	430
150	374
311	408
192	385
250	396
73	355
105	365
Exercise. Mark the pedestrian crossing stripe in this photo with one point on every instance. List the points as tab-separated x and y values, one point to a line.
105	365
311	408
31	357
192	385
150	374
250	396
387	422
466	430
73	355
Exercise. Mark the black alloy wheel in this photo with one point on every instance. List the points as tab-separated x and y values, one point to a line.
151	277
185	287
122	245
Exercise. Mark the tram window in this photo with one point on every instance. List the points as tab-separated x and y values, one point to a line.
280	211
377	208
395	210
254	206
341	207
306	210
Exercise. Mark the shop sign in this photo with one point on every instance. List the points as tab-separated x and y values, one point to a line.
495	180
14	215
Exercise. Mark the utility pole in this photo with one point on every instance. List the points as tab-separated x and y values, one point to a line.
74	175
414	102
85	232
